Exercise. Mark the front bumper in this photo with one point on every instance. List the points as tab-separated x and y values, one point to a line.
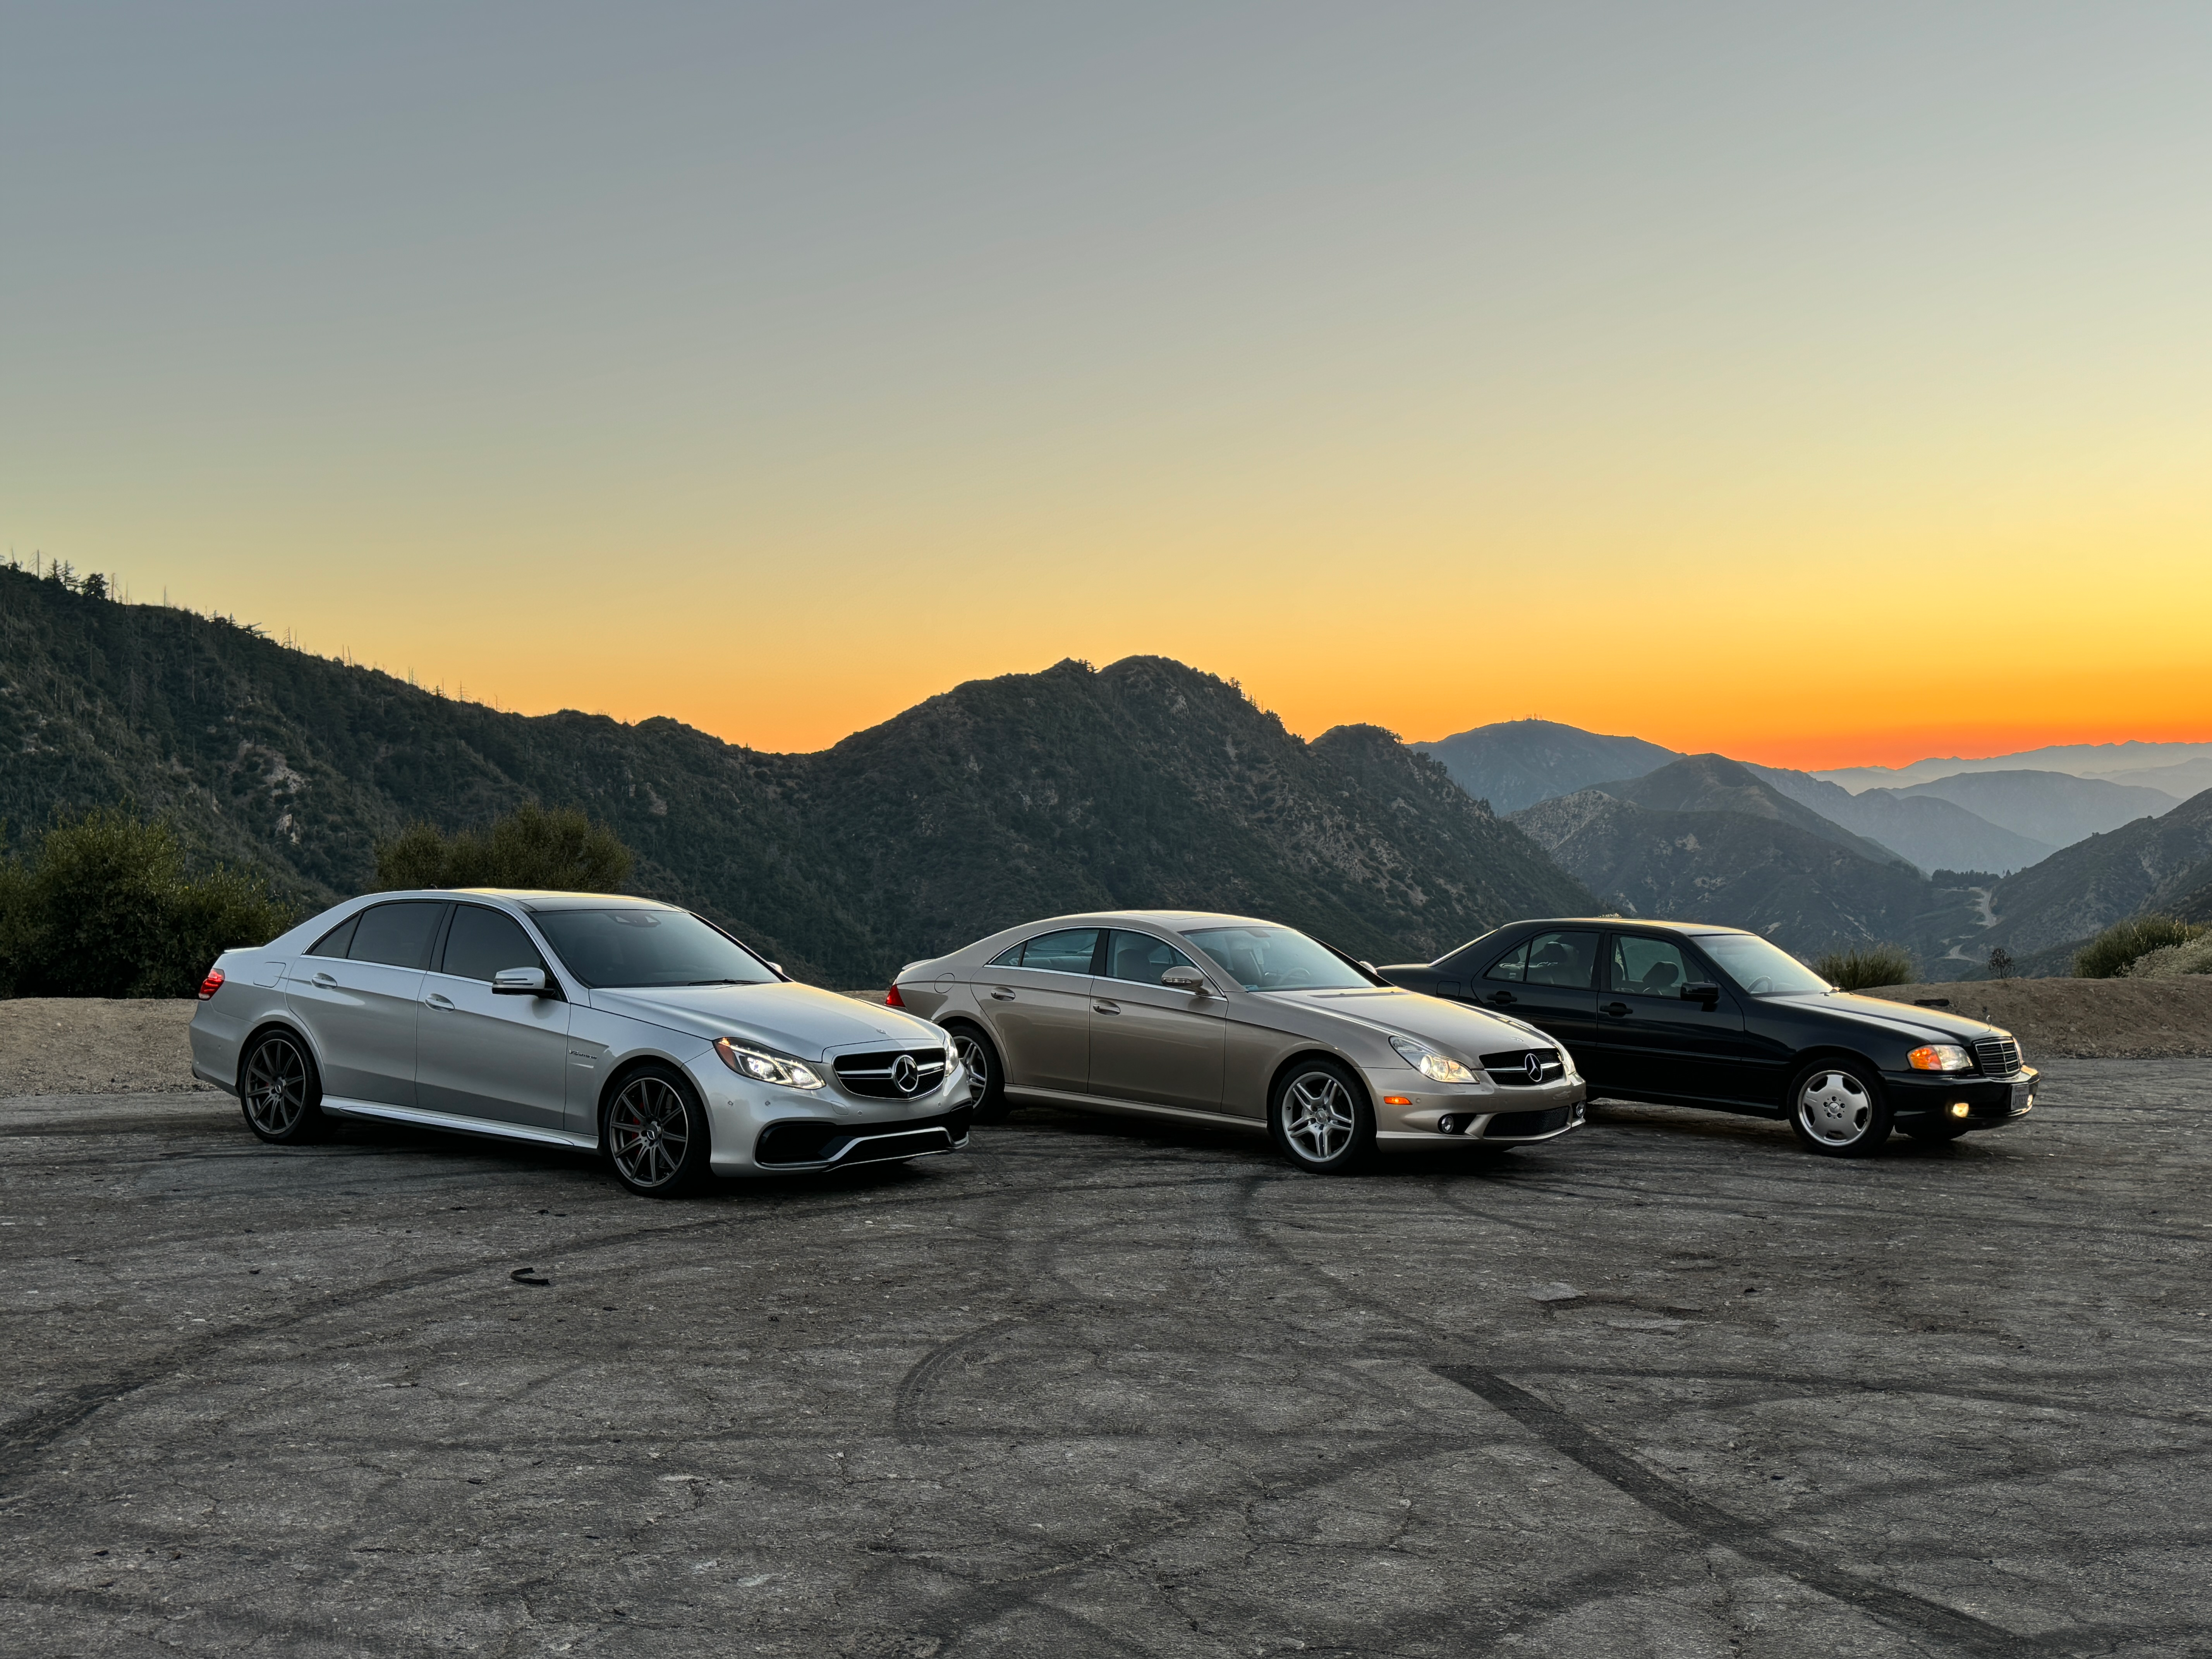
762	1130
1518	1116
1990	1102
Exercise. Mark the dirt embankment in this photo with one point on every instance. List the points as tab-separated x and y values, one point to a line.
94	1046
2086	1018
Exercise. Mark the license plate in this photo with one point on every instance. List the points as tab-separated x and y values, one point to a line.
2023	1097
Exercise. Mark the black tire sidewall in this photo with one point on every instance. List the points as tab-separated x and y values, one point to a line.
1353	1157
993	1105
312	1125
698	1154
1878	1127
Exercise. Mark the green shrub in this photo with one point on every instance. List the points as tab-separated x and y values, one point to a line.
2174	961
1862	967
2119	944
104	906
530	847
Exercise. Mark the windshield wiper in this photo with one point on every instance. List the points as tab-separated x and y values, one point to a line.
718	982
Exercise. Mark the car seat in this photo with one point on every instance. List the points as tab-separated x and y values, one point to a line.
1660	978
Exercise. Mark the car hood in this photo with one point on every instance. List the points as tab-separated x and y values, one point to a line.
803	1021
1930	1024
1463	1033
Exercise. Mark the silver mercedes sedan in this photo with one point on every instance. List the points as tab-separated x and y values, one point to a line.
1235	1022
571	1019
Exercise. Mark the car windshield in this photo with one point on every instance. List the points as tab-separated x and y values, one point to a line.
648	947
1763	969
1277	959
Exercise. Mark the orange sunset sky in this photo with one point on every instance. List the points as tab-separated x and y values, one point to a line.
1823	389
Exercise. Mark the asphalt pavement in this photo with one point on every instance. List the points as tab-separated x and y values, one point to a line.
1669	1386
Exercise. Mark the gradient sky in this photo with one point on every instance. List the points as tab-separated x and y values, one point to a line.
1822	386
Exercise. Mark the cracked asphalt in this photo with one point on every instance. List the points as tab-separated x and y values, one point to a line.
1668	1386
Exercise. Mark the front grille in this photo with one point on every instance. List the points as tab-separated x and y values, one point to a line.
1511	1071
1997	1058
1527	1123
876	1077
817	1142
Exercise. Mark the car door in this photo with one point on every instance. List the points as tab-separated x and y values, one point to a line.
1546	979
1154	1044
1037	998
478	1053
355	992
1649	1039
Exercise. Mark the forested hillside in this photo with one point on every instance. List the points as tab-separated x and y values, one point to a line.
1145	783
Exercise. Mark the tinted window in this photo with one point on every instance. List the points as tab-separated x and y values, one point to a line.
399	934
1067	951
480	942
1009	958
1276	959
335	943
1513	965
1562	959
648	947
1141	959
1647	967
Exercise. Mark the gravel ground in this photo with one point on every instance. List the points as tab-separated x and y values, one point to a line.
1668	1388
2086	1018
94	1046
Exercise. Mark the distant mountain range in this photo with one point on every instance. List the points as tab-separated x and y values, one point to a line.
2161	864
1516	763
1933	833
1145	783
1704	839
2110	761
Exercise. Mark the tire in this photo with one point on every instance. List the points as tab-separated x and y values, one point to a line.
280	1091
986	1073
653	1133
1321	1118
1934	1132
1837	1109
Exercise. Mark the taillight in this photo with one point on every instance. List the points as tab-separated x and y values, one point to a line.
211	984
893	999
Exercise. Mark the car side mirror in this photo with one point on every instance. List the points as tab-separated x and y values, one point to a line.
1704	991
1186	979
518	982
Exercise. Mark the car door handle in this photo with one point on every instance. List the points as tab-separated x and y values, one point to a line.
1106	1007
326	981
1002	995
438	999
1616	1008
1501	998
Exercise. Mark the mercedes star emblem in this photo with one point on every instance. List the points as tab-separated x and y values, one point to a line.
906	1076
1533	1063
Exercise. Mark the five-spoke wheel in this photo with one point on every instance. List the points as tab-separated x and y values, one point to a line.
1837	1109
655	1138
1320	1118
279	1091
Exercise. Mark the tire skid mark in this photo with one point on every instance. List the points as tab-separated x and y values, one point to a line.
1631	1478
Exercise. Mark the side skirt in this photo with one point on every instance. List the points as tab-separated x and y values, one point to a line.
1135	1108
466	1126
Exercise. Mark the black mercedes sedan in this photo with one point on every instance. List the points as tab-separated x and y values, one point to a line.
1689	1014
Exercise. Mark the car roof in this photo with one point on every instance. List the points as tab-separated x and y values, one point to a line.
533	899
1689	929
1176	921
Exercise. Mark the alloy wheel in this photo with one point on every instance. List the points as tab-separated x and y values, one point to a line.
975	1059
1834	1108
276	1087
1318	1118
649	1131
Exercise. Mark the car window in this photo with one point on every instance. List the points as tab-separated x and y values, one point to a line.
399	935
1562	959
639	947
1763	969
1260	957
1009	958
1141	959
336	941
1513	966
480	942
1647	967
1067	951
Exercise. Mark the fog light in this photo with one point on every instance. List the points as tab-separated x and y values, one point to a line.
1960	1109
1447	1125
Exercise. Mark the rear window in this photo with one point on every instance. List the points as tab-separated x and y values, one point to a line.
399	935
336	941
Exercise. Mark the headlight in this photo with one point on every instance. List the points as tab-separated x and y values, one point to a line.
1438	1068
764	1068
1939	1057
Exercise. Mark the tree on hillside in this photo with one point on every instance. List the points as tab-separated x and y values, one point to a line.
105	907
530	847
